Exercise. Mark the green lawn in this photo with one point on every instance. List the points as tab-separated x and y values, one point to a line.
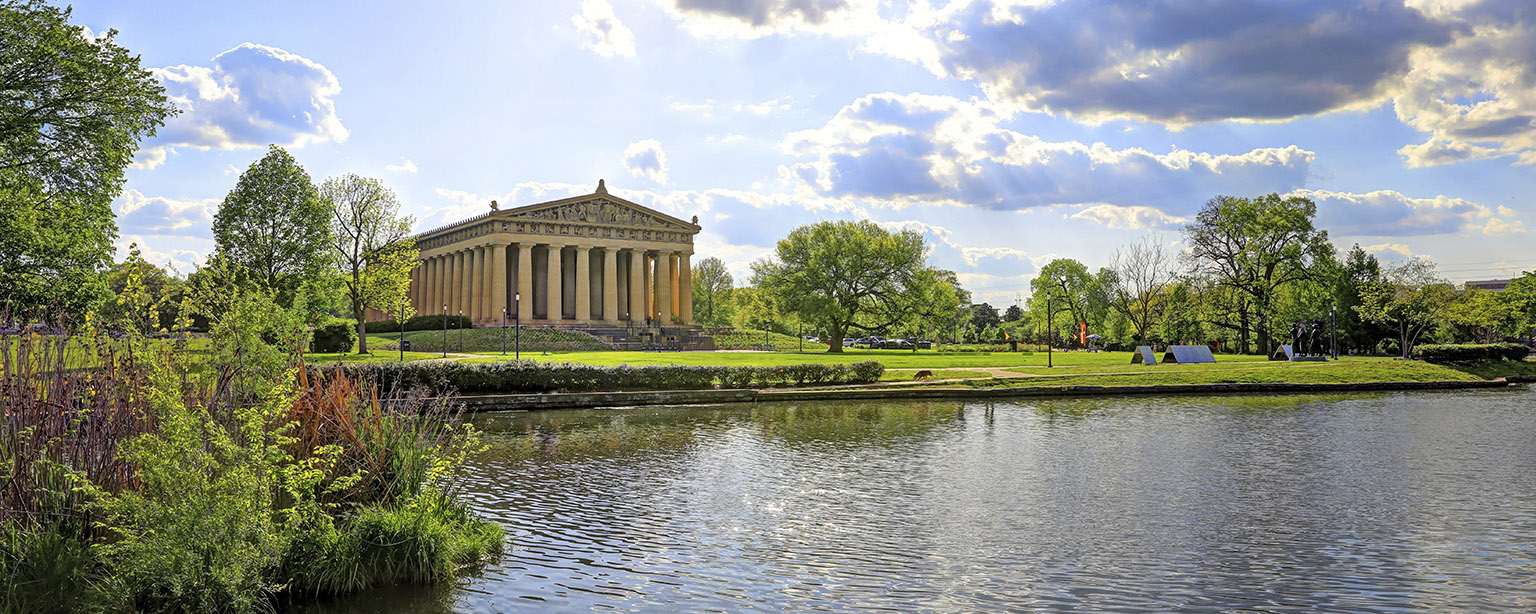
905	375
1345	371
892	359
375	356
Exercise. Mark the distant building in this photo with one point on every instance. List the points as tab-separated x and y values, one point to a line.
1496	285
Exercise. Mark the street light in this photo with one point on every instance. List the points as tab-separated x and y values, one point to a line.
401	342
459	324
445	331
517	328
1333	326
1050	325
503	331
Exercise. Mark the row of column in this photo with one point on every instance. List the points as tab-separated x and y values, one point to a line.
482	281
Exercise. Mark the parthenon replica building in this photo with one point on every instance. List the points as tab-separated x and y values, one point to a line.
588	261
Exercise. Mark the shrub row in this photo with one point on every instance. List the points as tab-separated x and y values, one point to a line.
490	340
1471	352
428	322
524	376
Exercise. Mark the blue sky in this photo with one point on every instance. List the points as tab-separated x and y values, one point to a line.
1009	132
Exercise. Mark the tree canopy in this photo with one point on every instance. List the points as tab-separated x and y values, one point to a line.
1255	247
842	275
275	229
372	247
1410	296
712	285
73	109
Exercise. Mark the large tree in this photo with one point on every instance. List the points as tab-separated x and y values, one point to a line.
1064	294
711	291
842	275
275	228
1138	288
1411	297
73	110
372	247
1254	247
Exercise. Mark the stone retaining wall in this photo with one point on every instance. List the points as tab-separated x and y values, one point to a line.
695	397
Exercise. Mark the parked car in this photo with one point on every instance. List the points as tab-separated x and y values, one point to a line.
924	344
896	344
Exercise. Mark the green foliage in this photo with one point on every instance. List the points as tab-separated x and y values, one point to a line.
1410	296
1254	248
335	337
53	569
372	246
712	287
72	113
747	339
527	376
275	230
1467	353
844	275
427	322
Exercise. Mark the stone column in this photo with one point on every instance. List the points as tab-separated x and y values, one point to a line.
456	284
685	287
443	283
553	307
610	284
677	291
499	283
472	284
583	284
650	287
524	282
664	287
636	285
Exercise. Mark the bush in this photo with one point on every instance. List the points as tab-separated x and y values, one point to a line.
335	337
527	376
1390	347
429	322
1471	352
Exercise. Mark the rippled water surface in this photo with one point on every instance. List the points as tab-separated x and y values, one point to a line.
1401	502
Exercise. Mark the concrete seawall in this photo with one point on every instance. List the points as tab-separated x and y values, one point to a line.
581	400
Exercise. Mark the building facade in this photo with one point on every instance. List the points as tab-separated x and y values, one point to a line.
595	260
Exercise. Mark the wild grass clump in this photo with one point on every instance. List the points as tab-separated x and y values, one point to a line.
146	480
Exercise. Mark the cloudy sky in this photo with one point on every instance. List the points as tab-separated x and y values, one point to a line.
1010	132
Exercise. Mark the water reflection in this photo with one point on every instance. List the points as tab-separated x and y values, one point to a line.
1360	503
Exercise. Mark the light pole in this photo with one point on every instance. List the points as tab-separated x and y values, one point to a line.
401	341
445	331
517	329
1050	325
459	324
1333	326
503	331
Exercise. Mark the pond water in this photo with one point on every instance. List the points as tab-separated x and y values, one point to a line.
1389	503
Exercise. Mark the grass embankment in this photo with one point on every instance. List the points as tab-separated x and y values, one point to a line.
892	359
1347	370
747	339
490	340
906	375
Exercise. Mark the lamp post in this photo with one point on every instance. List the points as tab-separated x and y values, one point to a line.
401	341
445	331
1333	326
503	331
1050	324
517	328
459	324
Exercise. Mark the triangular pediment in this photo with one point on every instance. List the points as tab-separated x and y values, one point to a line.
598	208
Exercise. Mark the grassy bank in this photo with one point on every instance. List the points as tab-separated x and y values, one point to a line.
892	359
1344	371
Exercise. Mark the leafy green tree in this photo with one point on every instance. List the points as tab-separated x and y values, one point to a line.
1182	324
148	285
1356	270
372	247
73	110
1411	297
846	275
1064	294
984	316
1254	247
1136	288
1013	314
712	286
276	230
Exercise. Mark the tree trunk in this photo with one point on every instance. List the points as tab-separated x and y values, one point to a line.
837	340
1242	331
362	328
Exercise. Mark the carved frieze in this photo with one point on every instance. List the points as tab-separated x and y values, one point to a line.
600	211
597	218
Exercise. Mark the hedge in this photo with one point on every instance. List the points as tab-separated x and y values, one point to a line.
1471	352
428	322
334	337
528	376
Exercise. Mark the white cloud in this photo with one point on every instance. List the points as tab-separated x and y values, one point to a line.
182	256
405	166
253	95
1127	218
1384	248
1387	213
608	36
755	18
155	215
646	159
906	149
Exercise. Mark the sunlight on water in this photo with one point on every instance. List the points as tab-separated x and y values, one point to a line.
1331	503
